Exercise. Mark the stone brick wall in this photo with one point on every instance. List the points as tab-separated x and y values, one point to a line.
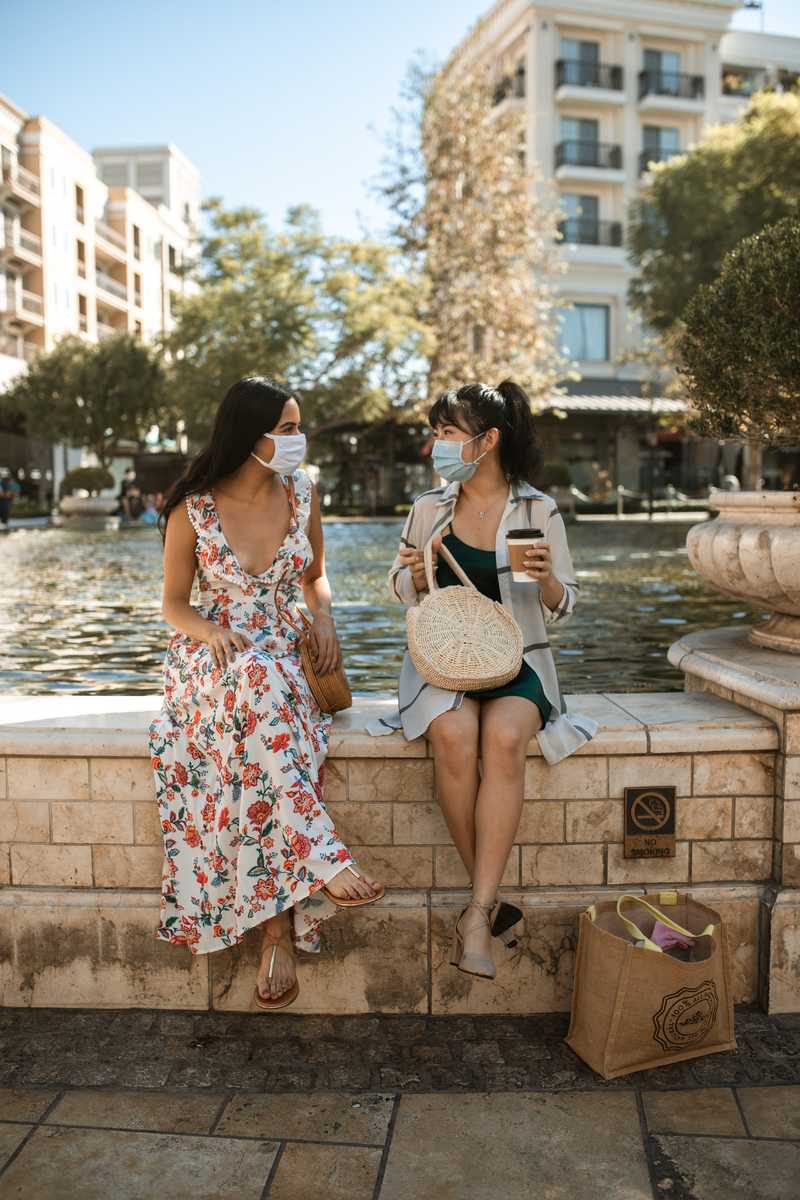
80	853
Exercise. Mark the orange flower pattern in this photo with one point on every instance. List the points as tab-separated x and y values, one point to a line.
238	756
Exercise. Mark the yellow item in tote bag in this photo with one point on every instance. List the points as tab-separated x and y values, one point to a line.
635	1007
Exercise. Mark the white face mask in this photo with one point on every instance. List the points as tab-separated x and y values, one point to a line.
290	450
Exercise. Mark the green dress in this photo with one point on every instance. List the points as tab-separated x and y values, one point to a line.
481	567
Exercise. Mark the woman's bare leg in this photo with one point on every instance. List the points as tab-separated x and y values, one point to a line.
284	973
507	726
454	738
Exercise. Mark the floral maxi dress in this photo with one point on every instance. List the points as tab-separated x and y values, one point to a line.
238	755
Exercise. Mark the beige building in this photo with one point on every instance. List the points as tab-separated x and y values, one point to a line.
607	87
89	244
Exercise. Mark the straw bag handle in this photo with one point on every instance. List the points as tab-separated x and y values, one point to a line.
284	612
447	556
636	932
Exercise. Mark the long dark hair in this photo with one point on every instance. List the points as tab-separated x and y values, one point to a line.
251	408
476	408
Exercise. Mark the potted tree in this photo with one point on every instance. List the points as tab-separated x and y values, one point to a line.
81	504
740	358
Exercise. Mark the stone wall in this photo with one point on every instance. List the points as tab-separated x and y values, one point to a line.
81	857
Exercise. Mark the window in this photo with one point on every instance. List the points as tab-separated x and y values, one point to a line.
579	129
137	290
149	174
580	52
137	241
478	340
79	203
665	66
585	332
173	258
584	208
114	174
665	139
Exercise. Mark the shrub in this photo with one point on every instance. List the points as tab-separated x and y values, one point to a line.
88	479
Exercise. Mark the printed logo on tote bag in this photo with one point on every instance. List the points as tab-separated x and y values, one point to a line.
686	1016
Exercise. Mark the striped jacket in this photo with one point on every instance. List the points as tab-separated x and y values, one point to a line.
526	507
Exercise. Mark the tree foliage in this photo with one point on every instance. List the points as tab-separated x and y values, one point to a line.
475	219
739	352
698	206
92	396
335	319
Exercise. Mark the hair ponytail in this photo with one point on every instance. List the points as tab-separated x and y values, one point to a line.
476	408
520	453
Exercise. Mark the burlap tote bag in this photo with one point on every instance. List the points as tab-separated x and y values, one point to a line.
634	1006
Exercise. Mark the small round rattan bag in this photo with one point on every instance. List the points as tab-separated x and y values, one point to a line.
460	639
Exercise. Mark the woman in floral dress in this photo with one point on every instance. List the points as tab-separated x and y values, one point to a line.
238	747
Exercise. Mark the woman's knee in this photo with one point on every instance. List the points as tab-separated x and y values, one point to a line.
504	744
454	738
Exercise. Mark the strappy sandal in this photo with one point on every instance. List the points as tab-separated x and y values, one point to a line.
471	963
269	1003
353	902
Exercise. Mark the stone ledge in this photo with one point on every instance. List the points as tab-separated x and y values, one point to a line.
630	723
96	949
726	658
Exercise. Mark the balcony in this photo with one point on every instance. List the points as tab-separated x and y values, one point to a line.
510	87
588	81
23	307
20	183
589	160
671	90
18	348
583	231
105	331
21	248
112	287
110	242
656	155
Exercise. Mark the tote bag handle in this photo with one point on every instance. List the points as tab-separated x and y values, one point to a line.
447	556
636	932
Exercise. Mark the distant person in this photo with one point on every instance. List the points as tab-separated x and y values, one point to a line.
127	485
149	513
9	491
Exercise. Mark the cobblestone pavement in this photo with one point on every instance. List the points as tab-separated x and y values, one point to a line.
142	1104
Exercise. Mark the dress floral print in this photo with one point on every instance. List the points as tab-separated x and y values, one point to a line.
238	755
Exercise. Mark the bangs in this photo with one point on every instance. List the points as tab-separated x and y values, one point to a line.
449	410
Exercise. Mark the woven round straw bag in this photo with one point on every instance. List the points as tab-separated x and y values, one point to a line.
458	638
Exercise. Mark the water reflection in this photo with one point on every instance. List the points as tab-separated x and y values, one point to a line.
81	612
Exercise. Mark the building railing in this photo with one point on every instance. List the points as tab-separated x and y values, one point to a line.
110	235
31	303
80	215
671	83
741	83
14	173
30	241
572	72
83	322
510	87
18	348
654	156
111	285
104	331
589	153
584	231
81	268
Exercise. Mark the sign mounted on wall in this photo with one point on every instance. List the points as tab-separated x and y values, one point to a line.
649	822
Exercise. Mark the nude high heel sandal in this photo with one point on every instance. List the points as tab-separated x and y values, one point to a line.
269	1003
471	963
353	902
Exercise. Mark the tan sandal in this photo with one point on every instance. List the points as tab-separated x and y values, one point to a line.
358	902
286	998
471	963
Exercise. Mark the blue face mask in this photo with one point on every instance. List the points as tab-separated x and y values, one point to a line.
448	463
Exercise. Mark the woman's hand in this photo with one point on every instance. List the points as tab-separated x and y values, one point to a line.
225	644
538	563
326	653
415	561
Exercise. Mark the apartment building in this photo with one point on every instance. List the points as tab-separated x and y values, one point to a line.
90	244
607	88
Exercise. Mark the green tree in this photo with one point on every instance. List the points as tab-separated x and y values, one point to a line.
335	319
739	352
92	395
698	206
472	214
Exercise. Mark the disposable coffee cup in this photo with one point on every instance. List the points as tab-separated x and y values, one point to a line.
519	542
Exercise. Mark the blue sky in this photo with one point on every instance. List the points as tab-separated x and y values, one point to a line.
276	103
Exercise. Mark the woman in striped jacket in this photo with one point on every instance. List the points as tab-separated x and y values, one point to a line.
486	447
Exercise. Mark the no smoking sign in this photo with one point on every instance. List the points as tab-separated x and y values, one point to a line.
649	822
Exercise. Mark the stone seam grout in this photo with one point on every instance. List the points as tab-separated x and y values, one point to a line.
387	1145
273	1171
644	1133
35	1126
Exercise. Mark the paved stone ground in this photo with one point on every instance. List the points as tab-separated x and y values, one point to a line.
139	1105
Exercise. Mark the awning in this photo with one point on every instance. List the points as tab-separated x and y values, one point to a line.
614	404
